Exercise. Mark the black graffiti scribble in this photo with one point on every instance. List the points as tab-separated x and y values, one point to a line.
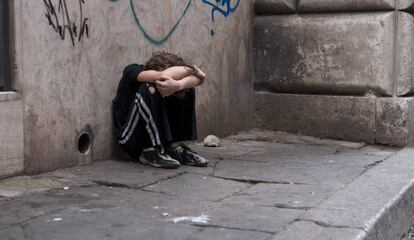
60	20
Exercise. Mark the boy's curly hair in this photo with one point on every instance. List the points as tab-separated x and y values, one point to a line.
163	60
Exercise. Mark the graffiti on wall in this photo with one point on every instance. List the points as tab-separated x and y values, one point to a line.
59	17
163	39
224	7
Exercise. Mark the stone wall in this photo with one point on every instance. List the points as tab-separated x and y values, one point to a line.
67	62
330	53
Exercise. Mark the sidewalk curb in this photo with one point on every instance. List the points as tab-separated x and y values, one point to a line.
377	205
397	215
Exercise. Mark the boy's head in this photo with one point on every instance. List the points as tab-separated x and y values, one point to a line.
163	60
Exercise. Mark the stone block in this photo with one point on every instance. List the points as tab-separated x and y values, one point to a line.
11	137
388	121
336	117
404	54
345	5
393	119
329	54
406	5
275	6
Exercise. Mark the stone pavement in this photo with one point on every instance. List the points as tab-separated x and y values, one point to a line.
251	190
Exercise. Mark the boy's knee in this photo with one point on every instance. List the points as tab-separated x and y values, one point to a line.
151	89
147	89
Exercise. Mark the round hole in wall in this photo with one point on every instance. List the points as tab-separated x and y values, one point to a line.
84	143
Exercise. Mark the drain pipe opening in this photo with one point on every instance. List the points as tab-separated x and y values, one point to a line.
84	143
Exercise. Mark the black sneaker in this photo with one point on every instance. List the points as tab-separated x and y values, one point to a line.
156	158
186	156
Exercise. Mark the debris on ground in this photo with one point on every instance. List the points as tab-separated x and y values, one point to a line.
211	141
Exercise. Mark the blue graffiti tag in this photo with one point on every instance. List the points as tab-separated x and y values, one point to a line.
221	6
168	35
150	38
224	7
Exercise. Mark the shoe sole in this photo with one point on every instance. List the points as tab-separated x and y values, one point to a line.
146	162
196	164
176	155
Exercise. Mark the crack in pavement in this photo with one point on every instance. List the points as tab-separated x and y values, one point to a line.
231	228
327	225
111	184
24	230
21	223
286	206
242	154
162	180
141	187
230	158
371	165
234	194
254	181
365	169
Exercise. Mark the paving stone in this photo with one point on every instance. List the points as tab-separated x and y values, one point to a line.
23	185
198	187
111	224
228	149
12	233
242	216
282	195
204	170
225	234
148	204
295	173
284	165
131	174
122	224
312	231
376	191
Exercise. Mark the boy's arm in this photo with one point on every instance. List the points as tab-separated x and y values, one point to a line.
177	72
168	86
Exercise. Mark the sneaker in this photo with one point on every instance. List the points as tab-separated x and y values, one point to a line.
156	158
186	156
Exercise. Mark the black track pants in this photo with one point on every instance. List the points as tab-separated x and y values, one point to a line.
154	120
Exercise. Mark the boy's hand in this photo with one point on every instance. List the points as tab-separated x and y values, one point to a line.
198	73
167	86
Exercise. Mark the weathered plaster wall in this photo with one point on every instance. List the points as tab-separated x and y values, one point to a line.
11	134
67	87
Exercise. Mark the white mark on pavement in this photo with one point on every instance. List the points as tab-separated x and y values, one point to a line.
87	210
201	219
57	219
